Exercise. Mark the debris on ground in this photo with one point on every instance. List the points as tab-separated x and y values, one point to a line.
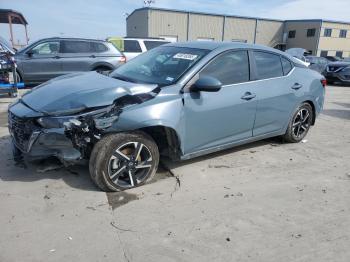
219	166
121	229
304	141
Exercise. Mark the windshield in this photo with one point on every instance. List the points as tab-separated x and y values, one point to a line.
163	65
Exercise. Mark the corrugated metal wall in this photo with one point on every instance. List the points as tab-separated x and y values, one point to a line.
205	26
164	23
193	26
239	29
269	33
137	24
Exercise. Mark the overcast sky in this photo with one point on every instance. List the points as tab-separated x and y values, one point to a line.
103	18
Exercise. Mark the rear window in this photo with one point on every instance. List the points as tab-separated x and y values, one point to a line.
77	47
99	47
268	65
153	44
132	46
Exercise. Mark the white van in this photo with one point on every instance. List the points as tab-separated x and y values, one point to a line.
132	47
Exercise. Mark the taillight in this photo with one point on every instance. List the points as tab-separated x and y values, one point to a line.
123	59
324	82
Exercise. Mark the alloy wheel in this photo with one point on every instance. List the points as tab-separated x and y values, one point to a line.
130	164
301	123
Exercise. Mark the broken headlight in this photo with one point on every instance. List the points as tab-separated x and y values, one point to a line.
54	122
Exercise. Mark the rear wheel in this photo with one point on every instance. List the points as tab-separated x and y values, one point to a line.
123	161
300	124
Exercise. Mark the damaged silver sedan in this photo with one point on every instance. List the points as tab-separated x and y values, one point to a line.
180	100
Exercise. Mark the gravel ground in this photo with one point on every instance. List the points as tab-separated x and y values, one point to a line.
265	201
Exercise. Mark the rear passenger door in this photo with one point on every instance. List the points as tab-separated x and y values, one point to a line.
76	55
276	92
132	49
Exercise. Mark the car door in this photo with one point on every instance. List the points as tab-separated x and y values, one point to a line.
76	56
132	49
41	62
218	118
276	92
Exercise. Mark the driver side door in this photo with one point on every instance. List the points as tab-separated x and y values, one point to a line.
218	118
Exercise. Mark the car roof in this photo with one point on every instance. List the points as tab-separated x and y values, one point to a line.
145	39
211	45
72	38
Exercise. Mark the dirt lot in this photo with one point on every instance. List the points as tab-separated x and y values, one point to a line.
266	201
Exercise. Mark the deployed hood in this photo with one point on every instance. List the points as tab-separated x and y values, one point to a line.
74	93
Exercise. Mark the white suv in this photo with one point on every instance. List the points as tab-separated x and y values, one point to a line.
132	47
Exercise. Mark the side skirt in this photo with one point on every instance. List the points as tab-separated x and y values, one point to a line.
230	145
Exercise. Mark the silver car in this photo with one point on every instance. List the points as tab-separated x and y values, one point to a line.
179	100
52	57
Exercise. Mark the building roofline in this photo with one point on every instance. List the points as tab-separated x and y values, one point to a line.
236	16
202	13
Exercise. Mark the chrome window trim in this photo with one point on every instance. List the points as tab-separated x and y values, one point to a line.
259	80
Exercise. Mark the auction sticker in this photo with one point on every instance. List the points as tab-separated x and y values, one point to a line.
185	56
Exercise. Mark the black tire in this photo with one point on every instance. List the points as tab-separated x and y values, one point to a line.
104	158
102	70
300	124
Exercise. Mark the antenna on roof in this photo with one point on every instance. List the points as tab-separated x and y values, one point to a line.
148	3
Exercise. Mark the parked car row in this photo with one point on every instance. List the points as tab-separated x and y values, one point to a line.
335	69
51	57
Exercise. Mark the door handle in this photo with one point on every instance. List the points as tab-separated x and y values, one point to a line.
248	96
93	56
56	57
297	86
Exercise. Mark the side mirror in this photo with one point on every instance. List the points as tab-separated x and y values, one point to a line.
206	84
30	53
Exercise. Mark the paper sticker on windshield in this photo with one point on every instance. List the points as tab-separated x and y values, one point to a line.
185	56
169	78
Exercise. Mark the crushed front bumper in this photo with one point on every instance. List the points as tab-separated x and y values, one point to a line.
38	143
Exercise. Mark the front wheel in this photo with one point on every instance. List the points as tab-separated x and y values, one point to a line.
123	161
300	124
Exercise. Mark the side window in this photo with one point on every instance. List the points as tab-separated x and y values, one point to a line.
229	68
47	48
267	65
77	47
99	47
287	66
132	46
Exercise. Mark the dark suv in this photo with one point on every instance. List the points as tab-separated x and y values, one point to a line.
52	57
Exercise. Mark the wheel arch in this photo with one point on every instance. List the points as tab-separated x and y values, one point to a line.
167	140
102	64
313	110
